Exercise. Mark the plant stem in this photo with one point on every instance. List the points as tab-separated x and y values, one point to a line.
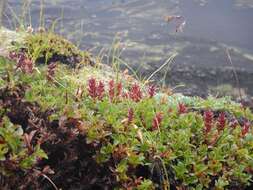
2	3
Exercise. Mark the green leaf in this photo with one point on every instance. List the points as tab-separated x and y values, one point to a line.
3	150
29	161
221	183
135	159
146	184
180	170
11	135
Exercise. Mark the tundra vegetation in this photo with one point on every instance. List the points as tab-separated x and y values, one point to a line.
64	124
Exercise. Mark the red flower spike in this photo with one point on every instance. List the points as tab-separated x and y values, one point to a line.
130	116
135	93
111	89
151	91
100	90
51	68
119	89
92	89
157	121
22	62
221	121
115	90
182	108
27	66
96	90
208	121
245	128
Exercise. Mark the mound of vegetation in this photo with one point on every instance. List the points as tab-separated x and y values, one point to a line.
61	131
47	47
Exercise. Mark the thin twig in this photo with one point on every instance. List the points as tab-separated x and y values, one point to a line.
42	20
2	3
128	67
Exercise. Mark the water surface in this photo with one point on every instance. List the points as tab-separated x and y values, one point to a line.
147	40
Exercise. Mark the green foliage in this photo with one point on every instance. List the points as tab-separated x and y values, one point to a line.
27	162
11	135
189	156
45	47
14	150
146	185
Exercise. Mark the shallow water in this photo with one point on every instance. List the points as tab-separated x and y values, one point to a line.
211	27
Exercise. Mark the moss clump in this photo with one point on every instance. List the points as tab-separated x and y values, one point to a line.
49	47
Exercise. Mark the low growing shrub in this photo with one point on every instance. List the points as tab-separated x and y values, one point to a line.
116	135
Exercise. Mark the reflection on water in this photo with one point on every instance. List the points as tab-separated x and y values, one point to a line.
211	26
218	20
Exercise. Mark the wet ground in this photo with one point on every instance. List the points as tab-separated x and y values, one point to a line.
202	62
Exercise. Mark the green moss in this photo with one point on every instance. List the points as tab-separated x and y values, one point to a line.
47	47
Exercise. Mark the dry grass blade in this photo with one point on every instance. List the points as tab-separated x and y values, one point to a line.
165	177
236	77
168	61
47	178
234	72
2	3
